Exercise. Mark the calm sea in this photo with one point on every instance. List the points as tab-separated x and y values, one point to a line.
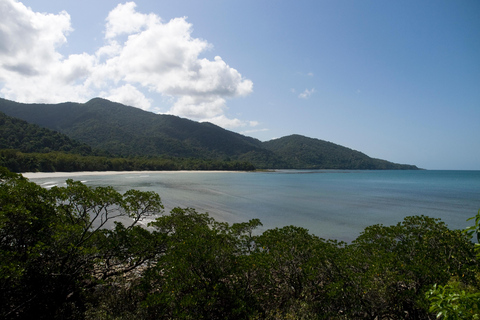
329	203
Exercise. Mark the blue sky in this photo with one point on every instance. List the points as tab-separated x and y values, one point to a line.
397	80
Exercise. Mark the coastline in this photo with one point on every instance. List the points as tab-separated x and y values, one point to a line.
330	204
40	175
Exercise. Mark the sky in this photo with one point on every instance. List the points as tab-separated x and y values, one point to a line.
396	80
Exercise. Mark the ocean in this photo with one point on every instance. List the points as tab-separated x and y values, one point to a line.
332	204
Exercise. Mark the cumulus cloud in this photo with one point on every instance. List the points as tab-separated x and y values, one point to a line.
130	96
247	132
31	68
125	20
306	94
141	54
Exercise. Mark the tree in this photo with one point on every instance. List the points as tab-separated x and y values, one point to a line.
198	275
293	273
27	213
398	264
54	248
458	300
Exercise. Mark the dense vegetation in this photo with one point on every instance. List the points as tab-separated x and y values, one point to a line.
57	261
26	147
309	153
62	162
20	135
125	131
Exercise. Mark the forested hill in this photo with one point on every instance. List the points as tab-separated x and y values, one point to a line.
26	137
309	153
127	131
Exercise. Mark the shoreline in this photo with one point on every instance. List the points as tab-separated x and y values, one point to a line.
40	175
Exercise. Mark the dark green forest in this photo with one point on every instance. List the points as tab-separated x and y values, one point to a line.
127	132
17	161
25	137
26	147
78	252
308	153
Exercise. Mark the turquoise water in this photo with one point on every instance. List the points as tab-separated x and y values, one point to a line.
331	204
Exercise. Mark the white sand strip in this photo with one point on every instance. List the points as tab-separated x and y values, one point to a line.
41	175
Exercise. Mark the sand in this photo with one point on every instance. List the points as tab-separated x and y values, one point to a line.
40	175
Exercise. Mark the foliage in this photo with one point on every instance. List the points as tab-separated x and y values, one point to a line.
456	300
57	161
54	249
26	147
126	131
398	264
307	153
295	274
475	230
26	137
195	277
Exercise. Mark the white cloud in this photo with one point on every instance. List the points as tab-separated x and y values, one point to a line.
28	40
306	94
31	68
199	107
247	132
228	123
141	53
130	96
125	20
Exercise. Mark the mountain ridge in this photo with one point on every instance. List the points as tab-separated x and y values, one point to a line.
128	131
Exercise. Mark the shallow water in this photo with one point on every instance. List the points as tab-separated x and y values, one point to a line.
331	204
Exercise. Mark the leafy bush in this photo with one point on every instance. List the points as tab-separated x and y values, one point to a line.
458	300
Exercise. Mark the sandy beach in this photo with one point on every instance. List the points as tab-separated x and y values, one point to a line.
40	175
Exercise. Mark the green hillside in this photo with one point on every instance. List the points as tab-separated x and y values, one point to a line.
308	153
26	147
127	131
26	137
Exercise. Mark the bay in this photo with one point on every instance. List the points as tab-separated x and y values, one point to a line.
331	204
